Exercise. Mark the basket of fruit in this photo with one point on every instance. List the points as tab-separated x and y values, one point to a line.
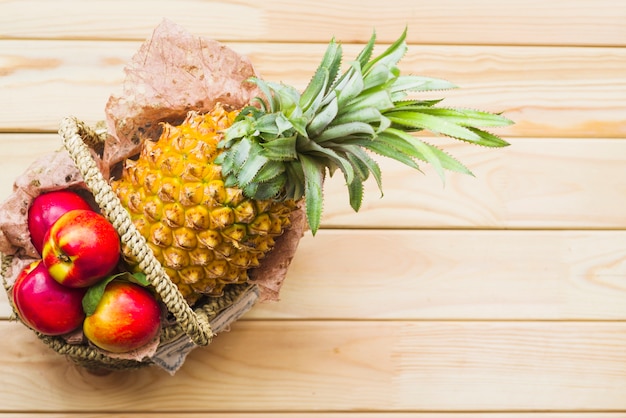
149	234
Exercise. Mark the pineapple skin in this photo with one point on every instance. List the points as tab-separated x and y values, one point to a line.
205	235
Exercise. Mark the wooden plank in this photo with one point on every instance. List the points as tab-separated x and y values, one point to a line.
344	366
54	80
534	183
451	275
19	151
548	92
321	414
563	22
499	275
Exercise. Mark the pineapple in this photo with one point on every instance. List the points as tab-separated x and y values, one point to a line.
205	235
213	193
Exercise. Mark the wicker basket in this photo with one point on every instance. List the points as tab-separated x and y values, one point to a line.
190	327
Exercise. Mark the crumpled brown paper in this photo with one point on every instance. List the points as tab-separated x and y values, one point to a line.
270	275
172	73
54	171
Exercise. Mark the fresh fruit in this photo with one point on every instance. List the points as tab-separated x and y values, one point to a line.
81	248
126	318
204	233
20	277
47	208
211	194
45	305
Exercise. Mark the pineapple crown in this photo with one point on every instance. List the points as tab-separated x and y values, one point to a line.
283	146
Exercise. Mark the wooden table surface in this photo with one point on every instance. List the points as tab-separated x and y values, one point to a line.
501	295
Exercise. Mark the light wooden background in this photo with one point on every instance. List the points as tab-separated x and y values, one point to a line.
500	296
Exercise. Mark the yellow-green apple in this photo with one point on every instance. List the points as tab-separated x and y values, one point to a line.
127	317
47	208
45	305
81	248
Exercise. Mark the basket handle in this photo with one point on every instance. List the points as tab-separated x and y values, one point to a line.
76	135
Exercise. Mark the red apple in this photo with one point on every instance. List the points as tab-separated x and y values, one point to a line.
81	248
20	277
126	318
47	208
45	305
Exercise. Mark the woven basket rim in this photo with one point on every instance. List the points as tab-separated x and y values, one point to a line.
77	138
194	321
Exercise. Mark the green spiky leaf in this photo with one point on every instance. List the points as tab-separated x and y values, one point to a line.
408	83
284	145
366	53
314	198
345	130
355	194
280	148
367	165
391	56
380	147
324	118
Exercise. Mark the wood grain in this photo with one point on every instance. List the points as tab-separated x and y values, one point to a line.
548	92
514	22
325	414
332	415
451	275
534	183
495	296
19	151
501	275
344	366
